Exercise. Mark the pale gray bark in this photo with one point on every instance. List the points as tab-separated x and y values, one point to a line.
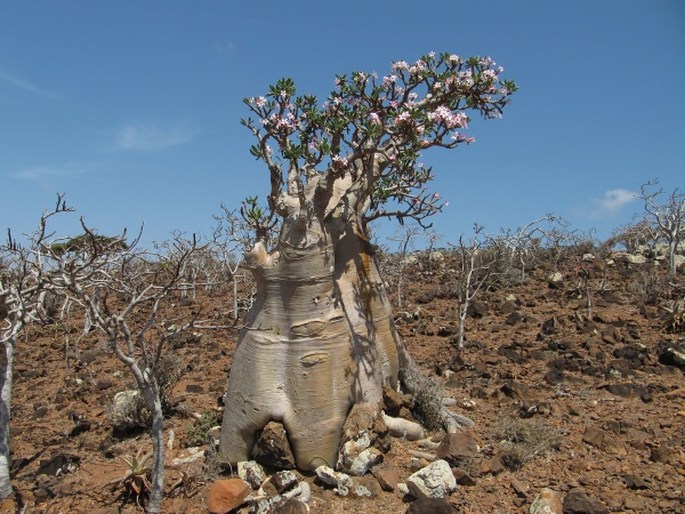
6	363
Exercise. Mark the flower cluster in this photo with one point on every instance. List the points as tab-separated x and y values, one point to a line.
442	114
415	106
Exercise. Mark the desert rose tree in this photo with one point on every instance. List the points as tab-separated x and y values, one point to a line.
320	336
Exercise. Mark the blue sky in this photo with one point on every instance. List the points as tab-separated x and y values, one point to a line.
132	108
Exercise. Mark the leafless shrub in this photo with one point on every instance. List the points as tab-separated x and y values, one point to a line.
649	285
520	441
667	217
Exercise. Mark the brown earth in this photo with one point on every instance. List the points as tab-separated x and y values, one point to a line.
562	398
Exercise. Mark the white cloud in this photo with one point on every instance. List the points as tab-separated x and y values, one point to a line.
612	202
152	137
225	48
25	85
38	173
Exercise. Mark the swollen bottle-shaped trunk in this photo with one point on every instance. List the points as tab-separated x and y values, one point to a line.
318	340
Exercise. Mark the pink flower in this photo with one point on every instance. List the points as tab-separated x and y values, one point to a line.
389	79
339	161
375	119
259	101
403	117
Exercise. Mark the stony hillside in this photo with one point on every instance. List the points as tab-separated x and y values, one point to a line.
572	372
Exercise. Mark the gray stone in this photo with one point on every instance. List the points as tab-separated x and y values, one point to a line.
434	481
128	411
577	502
252	473
630	258
431	506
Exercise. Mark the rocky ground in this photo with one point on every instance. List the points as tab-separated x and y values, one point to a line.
574	382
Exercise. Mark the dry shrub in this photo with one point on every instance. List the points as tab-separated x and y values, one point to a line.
520	441
427	397
649	285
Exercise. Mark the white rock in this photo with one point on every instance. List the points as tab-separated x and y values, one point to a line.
340	481
434	481
252	473
126	407
365	461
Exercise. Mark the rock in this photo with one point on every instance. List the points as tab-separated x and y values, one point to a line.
128	411
549	327
367	487
588	257
513	318
79	428
679	261
291	506
670	356
59	465
226	495
577	502
600	439
628	390
635	482
635	503
283	480
554	376
8	505
611	335
272	449
520	488
363	427
457	447
388	478
463	478
630	258
194	388
517	391
393	401
252	473
430	506
300	494
547	501
340	481
434	481
363	462
555	280
494	465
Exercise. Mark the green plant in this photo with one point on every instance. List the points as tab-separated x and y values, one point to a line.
134	482
197	433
